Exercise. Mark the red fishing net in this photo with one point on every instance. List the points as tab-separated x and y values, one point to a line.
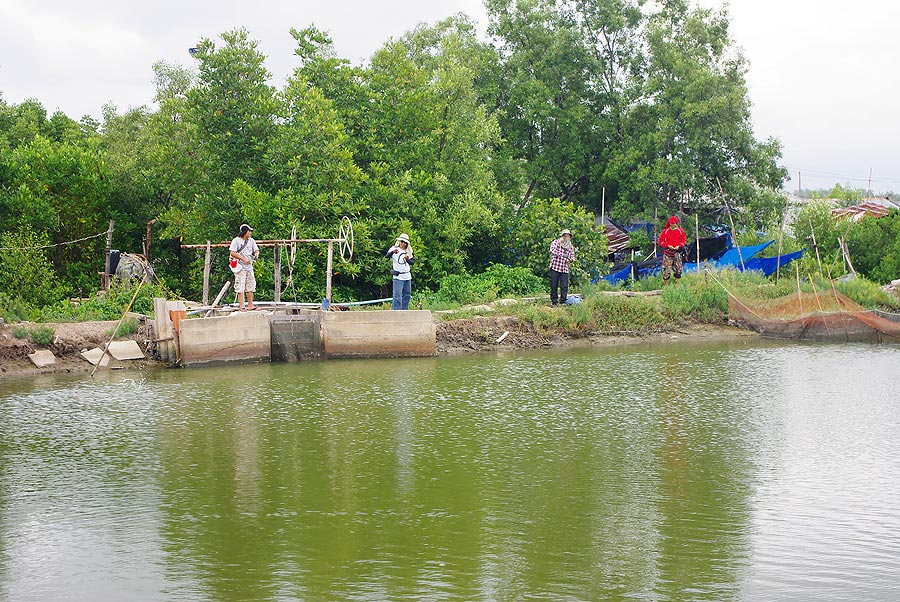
823	316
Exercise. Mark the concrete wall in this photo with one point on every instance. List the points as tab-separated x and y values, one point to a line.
378	334
239	337
296	337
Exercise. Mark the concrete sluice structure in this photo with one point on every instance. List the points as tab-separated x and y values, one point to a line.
289	334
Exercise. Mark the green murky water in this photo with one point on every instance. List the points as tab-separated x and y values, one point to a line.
727	472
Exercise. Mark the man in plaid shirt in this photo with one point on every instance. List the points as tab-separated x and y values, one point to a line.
561	253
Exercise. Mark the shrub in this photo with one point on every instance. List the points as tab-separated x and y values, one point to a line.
497	281
867	293
537	223
42	335
20	332
127	327
693	298
24	269
14	309
108	306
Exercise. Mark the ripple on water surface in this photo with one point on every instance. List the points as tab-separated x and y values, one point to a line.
699	472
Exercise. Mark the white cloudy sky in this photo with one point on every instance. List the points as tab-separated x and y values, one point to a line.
824	75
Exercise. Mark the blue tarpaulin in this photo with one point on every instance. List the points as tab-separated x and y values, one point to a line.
768	265
732	259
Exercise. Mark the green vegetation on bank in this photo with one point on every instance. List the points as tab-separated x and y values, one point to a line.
108	306
697	299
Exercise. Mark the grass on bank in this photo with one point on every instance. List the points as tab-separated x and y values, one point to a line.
696	299
41	334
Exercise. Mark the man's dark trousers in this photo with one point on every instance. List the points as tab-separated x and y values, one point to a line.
559	280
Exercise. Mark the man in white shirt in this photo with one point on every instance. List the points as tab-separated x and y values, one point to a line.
244	250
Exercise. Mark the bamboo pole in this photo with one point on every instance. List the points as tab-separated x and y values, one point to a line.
816	247
733	231
603	208
219	297
207	264
819	304
839	304
697	236
845	249
799	292
116	329
106	266
780	239
265	243
633	279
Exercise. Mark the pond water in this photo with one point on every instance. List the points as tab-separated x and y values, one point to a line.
742	471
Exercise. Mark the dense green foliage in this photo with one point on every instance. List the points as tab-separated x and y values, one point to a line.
480	150
496	282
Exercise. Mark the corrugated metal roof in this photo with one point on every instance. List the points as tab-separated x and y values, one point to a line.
857	212
617	239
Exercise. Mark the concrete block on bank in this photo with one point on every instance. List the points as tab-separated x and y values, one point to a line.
378	334
296	337
42	358
126	350
95	356
241	338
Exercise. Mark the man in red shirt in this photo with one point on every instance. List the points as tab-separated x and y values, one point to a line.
672	240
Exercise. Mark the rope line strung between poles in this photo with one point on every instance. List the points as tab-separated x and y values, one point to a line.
59	244
735	297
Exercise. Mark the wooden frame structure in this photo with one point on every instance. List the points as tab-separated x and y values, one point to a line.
345	248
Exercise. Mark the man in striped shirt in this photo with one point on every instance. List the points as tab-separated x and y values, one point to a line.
561	253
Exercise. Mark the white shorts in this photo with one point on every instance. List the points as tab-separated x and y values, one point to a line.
245	282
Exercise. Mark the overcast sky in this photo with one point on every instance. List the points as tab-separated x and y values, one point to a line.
824	75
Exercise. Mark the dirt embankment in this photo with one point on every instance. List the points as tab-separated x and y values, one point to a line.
485	333
67	343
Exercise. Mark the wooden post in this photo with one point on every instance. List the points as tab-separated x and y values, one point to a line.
109	235
697	236
328	271
206	267
147	240
277	273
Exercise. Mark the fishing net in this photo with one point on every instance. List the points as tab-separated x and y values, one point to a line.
823	316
